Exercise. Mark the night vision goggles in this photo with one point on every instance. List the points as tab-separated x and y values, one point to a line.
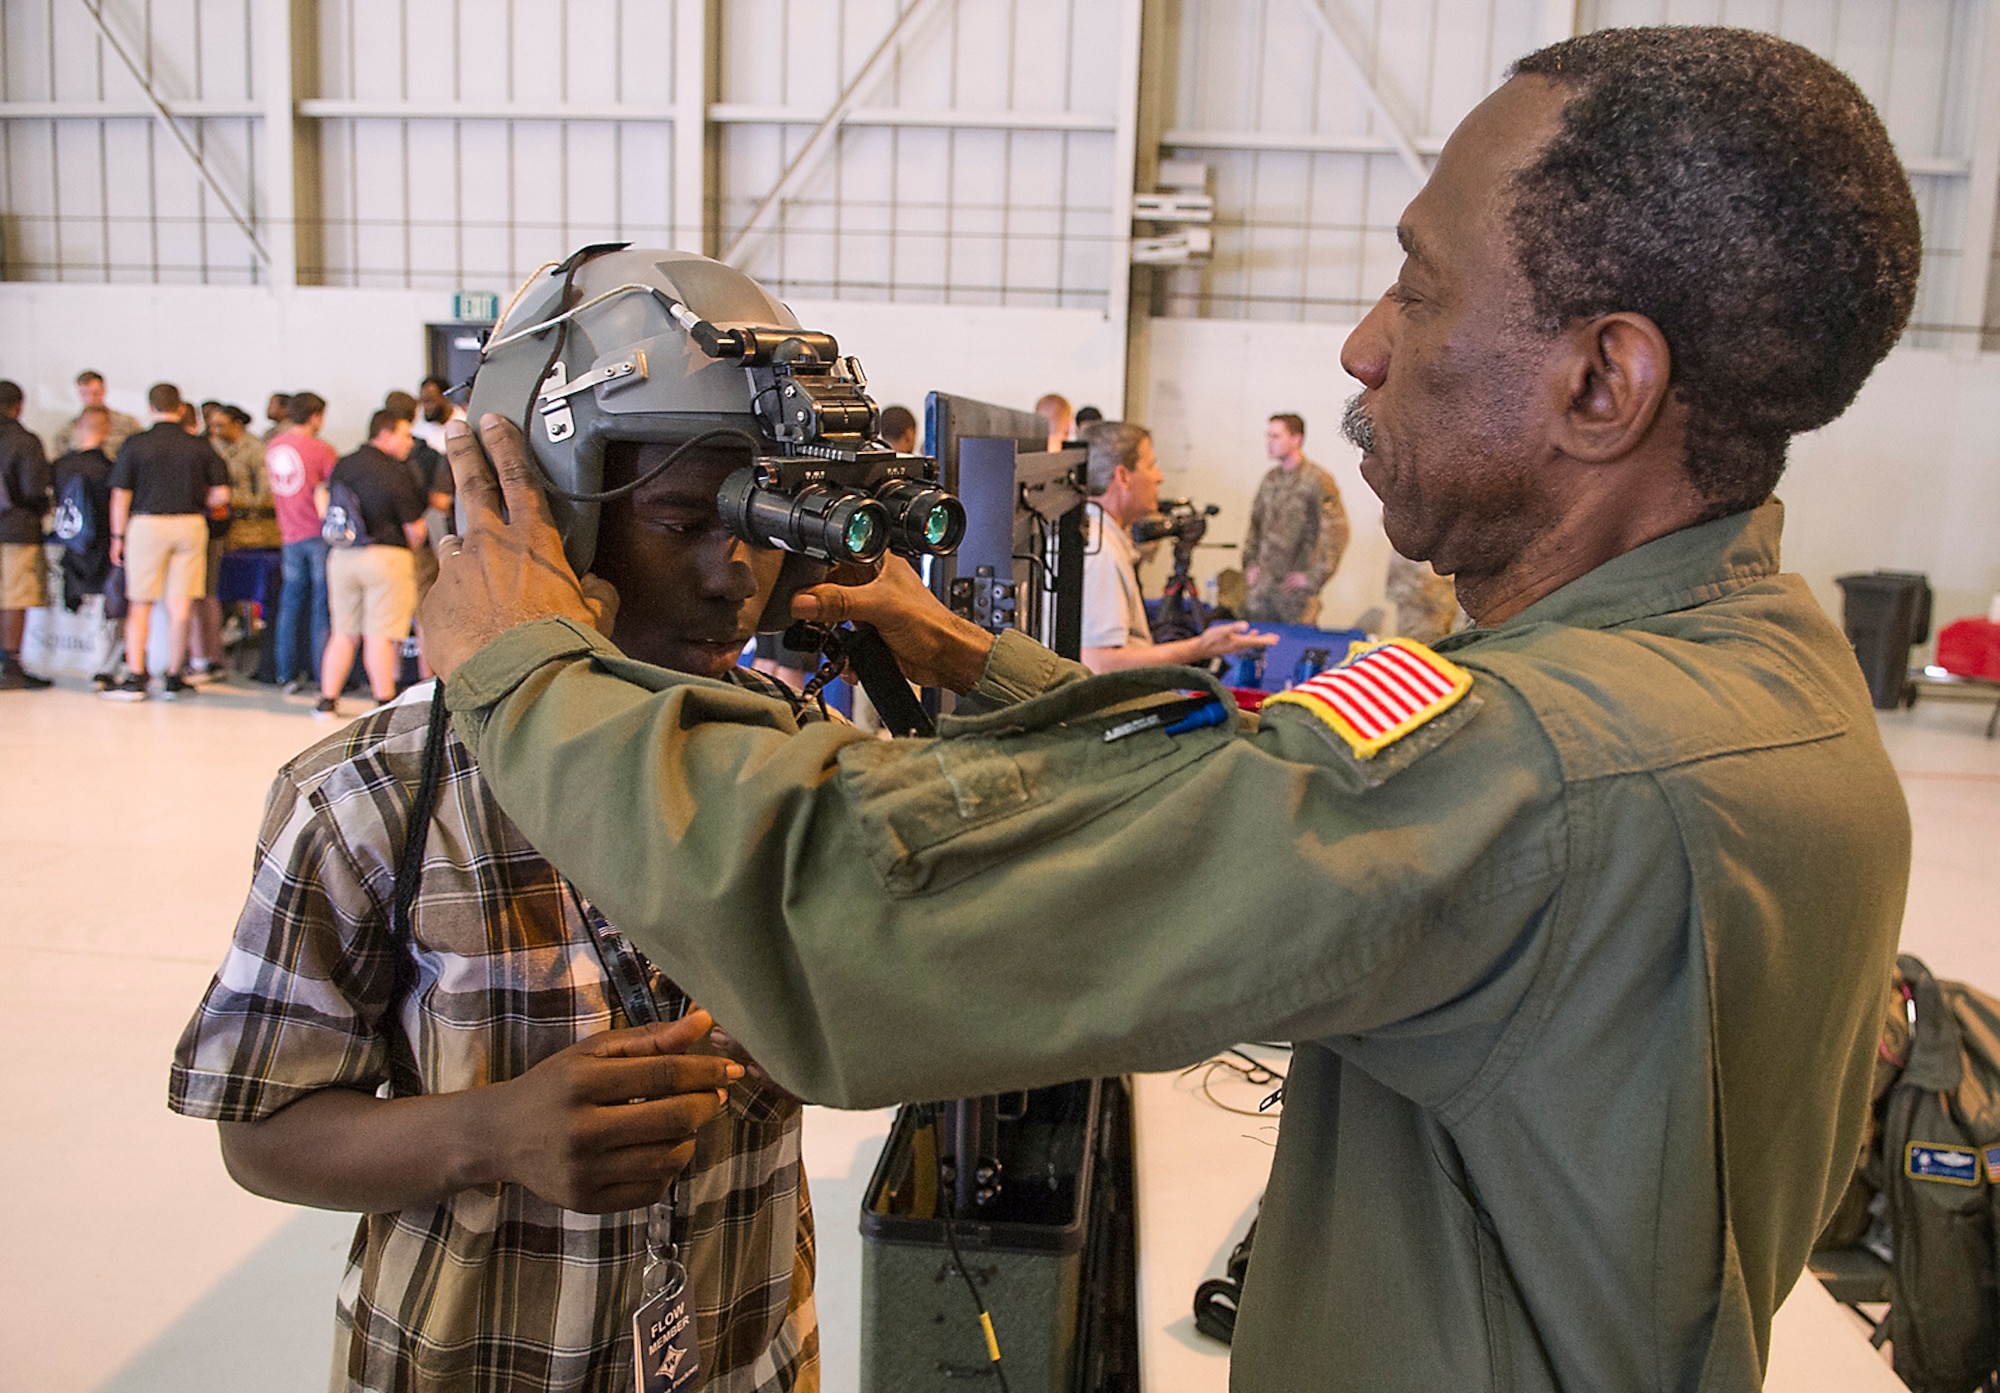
617	344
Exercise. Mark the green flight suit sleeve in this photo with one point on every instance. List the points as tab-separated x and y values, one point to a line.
1019	901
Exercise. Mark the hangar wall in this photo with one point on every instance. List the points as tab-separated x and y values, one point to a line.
947	184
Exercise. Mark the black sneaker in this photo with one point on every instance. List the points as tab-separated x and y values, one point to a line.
299	686
328	708
132	687
105	681
15	678
175	687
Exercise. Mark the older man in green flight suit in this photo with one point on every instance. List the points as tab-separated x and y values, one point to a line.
1581	923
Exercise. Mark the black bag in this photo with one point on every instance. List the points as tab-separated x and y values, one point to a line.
116	606
342	526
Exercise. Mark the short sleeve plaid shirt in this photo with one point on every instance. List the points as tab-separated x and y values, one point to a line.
493	1289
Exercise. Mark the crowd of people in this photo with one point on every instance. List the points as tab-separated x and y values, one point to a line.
137	516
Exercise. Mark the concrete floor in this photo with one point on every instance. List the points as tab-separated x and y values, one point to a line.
129	1260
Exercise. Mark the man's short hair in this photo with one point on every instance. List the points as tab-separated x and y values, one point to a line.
1086	414
11	396
895	421
1052	407
1112	443
209	406
1741	193
301	407
402	403
384	420
164	398
437	382
89	375
102	413
1294	422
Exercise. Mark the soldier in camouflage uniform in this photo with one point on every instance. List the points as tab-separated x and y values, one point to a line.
1297	530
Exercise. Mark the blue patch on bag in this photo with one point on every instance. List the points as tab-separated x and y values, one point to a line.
1956	1165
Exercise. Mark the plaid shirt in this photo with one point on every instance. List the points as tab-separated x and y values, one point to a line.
495	1288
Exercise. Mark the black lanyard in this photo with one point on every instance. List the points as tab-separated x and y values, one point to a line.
625	969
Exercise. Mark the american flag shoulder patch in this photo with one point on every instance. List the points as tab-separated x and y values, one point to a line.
1379	693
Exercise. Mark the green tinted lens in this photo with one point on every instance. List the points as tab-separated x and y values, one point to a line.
937	526
860	533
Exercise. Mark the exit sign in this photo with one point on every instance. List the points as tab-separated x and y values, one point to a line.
482	306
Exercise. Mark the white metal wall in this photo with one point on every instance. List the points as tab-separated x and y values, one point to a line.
415	193
92	188
977	168
1308	179
982	153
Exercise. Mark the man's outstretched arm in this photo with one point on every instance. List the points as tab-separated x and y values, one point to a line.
1030	899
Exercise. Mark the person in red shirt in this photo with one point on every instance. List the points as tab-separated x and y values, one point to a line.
299	463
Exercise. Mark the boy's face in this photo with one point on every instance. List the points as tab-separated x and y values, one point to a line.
690	592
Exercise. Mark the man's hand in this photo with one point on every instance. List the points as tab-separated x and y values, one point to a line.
608	1123
1298	580
933	646
1251	574
508	568
602	597
1226	640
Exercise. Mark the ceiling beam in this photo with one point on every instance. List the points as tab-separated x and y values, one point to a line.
821	140
165	118
1348	44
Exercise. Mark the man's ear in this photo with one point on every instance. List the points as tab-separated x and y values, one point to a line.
1615	379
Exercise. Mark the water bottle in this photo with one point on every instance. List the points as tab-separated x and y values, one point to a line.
1249	670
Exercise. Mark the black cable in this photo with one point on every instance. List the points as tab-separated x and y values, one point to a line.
1040	564
958	1259
609	495
410	860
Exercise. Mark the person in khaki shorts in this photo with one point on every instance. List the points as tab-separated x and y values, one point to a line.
24	501
371	585
162	485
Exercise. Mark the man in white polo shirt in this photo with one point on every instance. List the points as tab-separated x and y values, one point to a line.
1124	478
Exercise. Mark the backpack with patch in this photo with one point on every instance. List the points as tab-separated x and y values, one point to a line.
342	526
1936	1164
75	519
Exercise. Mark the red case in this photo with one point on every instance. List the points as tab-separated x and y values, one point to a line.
1970	648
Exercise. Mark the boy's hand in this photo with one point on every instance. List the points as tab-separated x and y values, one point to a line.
608	1123
732	1048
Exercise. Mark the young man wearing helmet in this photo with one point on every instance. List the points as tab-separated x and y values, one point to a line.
505	1178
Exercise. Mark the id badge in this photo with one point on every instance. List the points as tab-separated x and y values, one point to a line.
665	1355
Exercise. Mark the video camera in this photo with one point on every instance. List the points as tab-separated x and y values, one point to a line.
1181	614
1178	518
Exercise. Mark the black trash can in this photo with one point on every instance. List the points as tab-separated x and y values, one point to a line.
1886	614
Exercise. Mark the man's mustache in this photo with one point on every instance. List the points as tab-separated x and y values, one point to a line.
1357	427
